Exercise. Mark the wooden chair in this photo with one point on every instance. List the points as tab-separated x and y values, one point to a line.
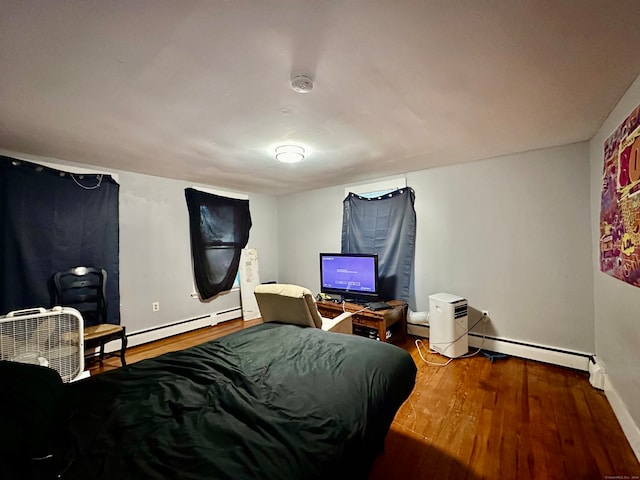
83	288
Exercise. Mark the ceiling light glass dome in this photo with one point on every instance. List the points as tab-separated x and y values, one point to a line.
289	153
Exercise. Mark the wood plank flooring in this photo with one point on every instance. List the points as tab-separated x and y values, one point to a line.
474	419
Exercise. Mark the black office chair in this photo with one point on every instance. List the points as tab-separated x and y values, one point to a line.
84	288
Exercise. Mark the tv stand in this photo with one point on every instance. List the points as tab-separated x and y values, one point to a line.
393	319
355	301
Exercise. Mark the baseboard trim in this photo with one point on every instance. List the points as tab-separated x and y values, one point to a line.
629	427
542	353
147	335
163	331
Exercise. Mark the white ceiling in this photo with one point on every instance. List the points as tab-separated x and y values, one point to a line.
199	90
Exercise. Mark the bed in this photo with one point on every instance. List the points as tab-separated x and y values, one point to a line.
274	401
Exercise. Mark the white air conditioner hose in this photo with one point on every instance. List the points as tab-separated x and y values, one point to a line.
418	318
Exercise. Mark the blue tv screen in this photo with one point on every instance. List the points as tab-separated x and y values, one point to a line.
353	275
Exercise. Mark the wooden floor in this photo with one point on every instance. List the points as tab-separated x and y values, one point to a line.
473	419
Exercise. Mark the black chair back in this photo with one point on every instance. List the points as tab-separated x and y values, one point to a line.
83	288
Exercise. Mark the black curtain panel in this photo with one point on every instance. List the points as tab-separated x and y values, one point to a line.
219	228
51	221
385	225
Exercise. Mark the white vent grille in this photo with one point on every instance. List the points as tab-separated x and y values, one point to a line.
460	311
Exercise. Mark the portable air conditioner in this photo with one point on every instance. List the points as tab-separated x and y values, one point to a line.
448	324
52	338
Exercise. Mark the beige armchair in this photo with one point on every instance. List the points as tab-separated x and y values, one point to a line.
280	302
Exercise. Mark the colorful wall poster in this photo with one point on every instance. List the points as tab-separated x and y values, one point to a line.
620	202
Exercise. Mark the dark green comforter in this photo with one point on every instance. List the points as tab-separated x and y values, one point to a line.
269	402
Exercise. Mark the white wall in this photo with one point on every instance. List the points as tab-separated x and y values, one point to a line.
309	223
510	234
155	251
617	322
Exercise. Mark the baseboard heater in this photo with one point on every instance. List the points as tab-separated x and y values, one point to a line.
236	311
159	332
531	351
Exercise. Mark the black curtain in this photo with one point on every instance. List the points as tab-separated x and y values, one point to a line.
385	225
52	221
219	228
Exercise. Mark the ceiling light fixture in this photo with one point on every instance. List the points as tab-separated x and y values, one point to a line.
301	84
289	153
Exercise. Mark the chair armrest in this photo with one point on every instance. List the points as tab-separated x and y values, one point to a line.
340	324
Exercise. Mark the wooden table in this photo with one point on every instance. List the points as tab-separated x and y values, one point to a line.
393	319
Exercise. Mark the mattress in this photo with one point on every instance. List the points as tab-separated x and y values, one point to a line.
272	401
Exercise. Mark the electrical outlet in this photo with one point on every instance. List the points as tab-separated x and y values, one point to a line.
155	306
485	316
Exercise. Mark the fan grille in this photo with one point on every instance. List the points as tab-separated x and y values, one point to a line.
50	339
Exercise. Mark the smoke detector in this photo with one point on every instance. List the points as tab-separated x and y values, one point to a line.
301	84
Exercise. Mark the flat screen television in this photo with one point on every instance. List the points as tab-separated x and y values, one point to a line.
353	276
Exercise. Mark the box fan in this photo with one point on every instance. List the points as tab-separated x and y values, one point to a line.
50	338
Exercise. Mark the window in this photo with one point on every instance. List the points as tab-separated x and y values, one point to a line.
384	224
53	220
376	189
219	228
